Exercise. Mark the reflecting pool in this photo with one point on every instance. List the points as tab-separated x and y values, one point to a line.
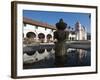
74	58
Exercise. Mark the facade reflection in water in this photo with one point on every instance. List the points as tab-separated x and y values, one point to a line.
82	54
79	57
74	57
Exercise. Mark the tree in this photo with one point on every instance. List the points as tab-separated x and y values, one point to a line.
69	27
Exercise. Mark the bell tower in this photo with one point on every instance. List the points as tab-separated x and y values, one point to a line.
78	30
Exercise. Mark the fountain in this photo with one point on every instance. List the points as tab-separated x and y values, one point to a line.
60	37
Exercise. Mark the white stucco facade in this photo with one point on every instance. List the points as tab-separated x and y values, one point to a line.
37	30
78	32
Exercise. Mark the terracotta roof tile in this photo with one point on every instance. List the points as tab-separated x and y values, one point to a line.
37	23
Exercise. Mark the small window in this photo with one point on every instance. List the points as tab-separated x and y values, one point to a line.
36	27
24	25
45	28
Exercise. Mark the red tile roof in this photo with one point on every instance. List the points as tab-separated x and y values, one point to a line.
37	23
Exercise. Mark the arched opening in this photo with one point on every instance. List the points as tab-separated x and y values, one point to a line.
29	38
31	53
49	48
41	37
31	35
41	51
49	36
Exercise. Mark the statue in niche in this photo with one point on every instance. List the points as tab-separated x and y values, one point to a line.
60	37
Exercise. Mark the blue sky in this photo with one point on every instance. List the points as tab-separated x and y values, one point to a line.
53	17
